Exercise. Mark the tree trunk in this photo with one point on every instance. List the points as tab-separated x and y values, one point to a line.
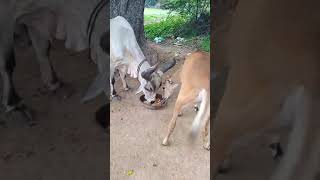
133	11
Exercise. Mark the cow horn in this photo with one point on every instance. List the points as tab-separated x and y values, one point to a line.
168	65
147	73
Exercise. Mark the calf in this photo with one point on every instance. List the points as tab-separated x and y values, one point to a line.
195	87
274	69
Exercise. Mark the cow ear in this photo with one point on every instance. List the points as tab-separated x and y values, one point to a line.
98	86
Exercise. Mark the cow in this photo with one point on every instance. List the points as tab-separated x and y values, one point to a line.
126	57
195	87
272	51
80	23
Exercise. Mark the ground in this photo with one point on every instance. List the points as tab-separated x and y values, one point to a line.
66	143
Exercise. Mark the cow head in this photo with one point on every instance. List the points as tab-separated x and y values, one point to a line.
152	79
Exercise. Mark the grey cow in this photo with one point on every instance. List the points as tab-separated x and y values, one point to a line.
44	20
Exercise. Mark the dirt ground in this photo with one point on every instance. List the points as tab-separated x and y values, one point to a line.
66	143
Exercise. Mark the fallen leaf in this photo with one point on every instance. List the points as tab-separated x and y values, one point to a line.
130	172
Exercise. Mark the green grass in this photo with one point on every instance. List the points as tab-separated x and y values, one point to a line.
165	28
159	24
205	44
153	15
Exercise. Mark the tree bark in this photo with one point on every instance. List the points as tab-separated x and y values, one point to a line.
133	11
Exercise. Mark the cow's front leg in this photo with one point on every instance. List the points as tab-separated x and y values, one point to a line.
123	72
41	46
53	85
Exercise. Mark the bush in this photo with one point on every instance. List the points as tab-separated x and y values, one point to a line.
192	9
166	28
174	26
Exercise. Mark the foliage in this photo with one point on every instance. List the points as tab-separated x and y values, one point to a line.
175	26
166	28
193	9
189	19
205	44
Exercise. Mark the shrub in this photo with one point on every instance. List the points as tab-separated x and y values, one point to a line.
166	28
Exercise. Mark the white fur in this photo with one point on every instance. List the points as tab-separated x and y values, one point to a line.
125	51
203	95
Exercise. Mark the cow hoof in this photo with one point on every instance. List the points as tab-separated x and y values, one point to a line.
127	88
206	146
116	97
20	115
180	114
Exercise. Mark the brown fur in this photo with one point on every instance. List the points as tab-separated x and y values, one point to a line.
273	51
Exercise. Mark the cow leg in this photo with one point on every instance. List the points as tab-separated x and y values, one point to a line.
10	98
185	97
123	72
114	94
42	47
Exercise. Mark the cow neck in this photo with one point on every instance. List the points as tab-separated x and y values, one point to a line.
143	65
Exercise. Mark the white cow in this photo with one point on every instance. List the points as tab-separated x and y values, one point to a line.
127	57
44	20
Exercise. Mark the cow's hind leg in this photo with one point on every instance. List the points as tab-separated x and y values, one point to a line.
10	99
114	95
